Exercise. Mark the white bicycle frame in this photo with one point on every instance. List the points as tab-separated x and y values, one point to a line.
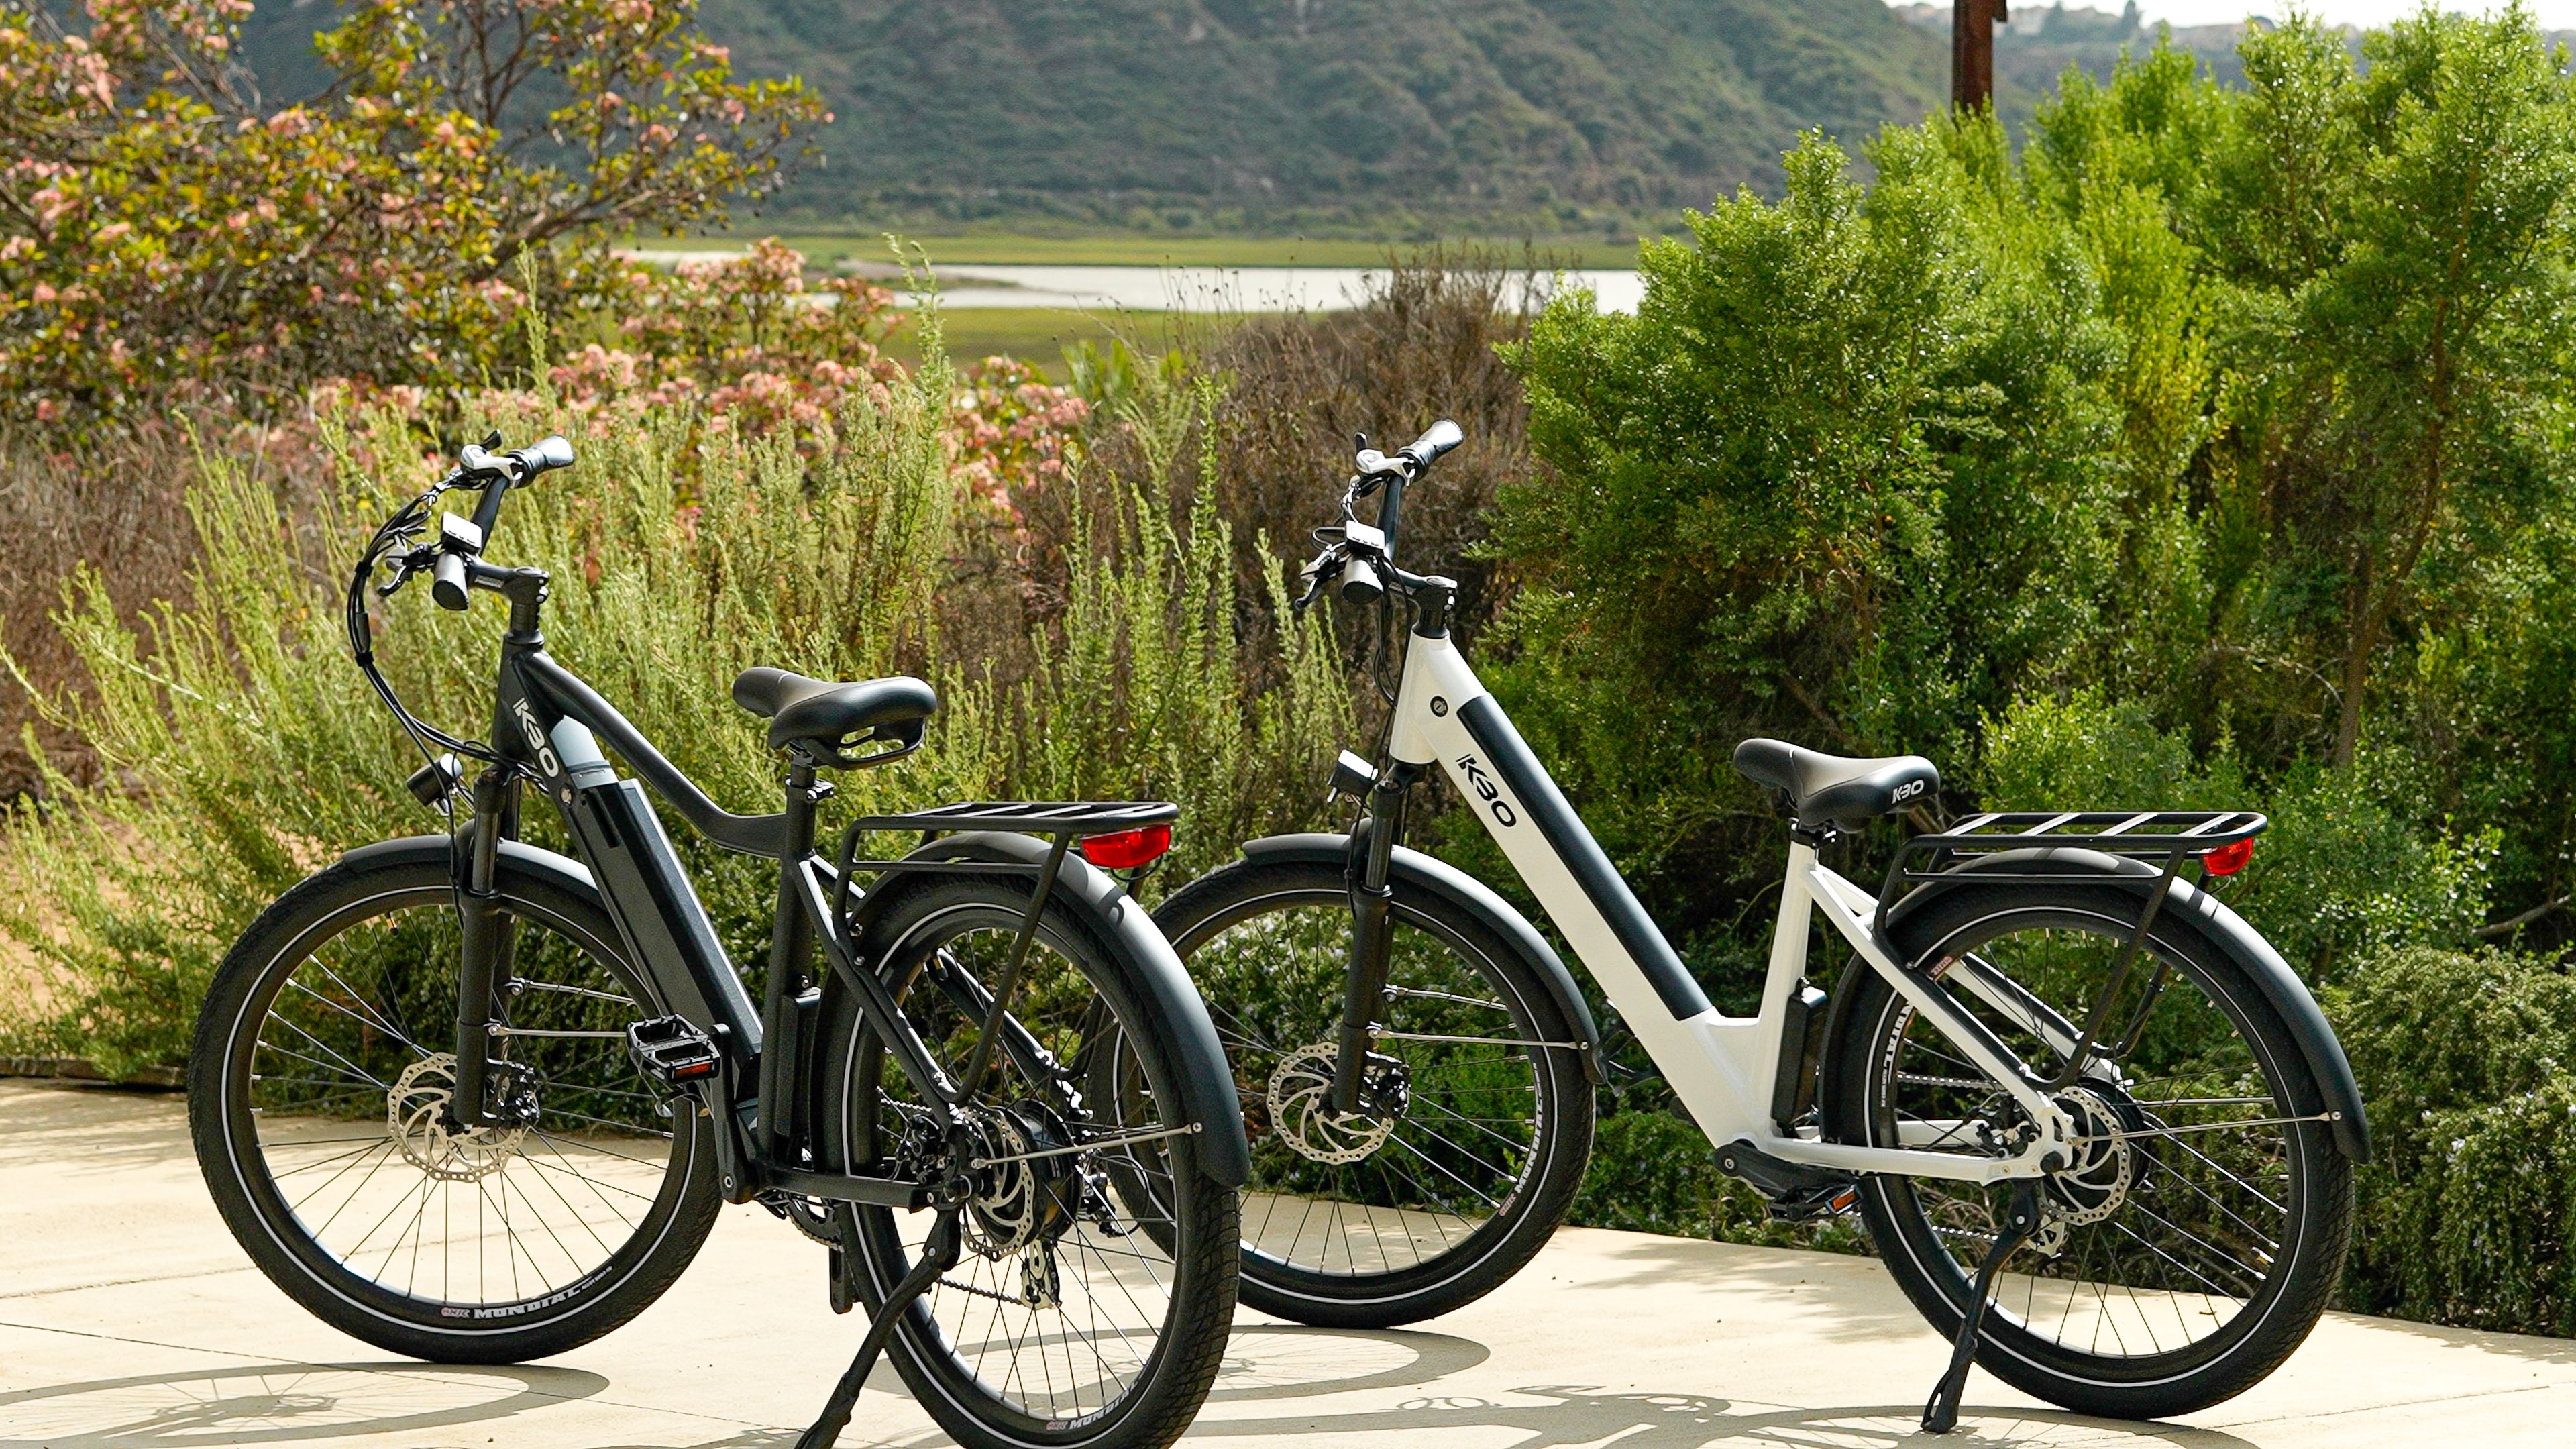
1721	1067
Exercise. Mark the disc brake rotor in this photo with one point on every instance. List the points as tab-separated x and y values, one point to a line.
2095	1185
1301	1110
416	1111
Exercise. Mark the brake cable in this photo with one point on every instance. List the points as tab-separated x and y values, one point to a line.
398	533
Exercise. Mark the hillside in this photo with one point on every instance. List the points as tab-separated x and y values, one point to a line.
1378	116
1369	112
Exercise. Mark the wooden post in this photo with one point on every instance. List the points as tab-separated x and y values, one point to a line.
1972	52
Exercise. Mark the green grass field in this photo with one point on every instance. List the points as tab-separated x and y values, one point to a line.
1039	335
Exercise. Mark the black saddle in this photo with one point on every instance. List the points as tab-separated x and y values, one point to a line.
1832	787
831	719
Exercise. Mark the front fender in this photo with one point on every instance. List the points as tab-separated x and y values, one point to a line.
1438	877
1207	1085
2195	910
516	857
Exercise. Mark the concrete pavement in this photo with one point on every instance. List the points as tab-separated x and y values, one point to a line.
129	1318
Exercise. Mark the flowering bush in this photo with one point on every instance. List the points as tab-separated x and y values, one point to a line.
165	233
1012	430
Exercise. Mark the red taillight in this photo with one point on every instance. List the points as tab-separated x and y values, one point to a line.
1127	849
2228	859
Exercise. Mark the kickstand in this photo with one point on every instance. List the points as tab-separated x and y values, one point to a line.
2021	1220
938	1255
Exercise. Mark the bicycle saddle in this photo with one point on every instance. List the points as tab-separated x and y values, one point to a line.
1833	787
826	715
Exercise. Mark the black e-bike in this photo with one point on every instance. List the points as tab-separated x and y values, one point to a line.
2051	1050
477	1102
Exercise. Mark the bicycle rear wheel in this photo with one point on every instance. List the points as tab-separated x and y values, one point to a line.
2192	1245
1482	1120
323	1054
1094	1300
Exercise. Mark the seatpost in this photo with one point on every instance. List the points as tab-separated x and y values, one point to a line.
786	1000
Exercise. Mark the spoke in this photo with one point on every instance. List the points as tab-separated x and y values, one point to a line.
1445	1172
1479	1124
2151	1247
583	991
368	1020
266	1045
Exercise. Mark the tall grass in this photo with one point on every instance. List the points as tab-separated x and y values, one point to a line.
237	748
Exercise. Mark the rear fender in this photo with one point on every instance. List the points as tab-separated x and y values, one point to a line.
2189	908
1122	922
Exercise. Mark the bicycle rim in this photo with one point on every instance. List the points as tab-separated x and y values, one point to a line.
345	1051
2170	1237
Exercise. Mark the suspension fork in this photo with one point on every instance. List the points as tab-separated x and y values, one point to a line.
1364	984
489	940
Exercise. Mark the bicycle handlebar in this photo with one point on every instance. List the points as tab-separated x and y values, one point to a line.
1354	552
1439	438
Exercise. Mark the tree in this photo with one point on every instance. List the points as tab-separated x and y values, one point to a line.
2396	299
167	232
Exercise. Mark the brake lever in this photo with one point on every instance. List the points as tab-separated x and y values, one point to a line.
418	560
1314	576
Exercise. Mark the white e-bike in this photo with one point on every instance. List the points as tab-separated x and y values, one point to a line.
2050	1050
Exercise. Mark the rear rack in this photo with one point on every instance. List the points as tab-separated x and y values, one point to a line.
2174	835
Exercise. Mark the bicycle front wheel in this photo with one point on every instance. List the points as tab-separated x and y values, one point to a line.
1091	1305
324	1054
1477	1116
2192	1244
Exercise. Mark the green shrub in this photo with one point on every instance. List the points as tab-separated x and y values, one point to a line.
1653	1172
2344	871
2468	1206
238	748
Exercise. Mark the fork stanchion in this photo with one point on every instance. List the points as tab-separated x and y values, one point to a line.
938	1255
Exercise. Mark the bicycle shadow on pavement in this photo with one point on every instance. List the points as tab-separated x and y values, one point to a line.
1567	1415
278	1403
1289	1361
1580	1414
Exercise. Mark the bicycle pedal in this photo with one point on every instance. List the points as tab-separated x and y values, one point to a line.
1830	1202
668	1050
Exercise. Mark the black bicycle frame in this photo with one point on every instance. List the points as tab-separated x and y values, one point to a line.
547	726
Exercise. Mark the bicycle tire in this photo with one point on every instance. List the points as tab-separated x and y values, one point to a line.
2211	1025
245	1153
920	930
1287	1274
